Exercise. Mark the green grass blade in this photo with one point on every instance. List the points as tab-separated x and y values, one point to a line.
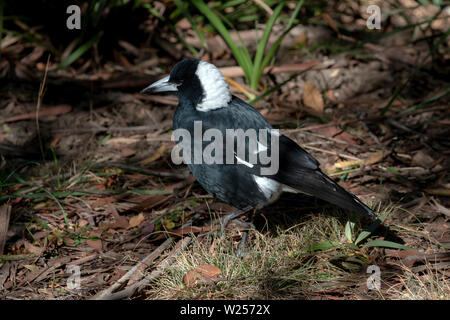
66	220
273	49
423	104
1	23
323	246
188	16
219	26
256	74
388	244
79	52
349	226
364	234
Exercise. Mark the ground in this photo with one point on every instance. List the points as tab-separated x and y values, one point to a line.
91	193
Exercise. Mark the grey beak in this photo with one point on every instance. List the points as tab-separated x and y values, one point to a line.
162	85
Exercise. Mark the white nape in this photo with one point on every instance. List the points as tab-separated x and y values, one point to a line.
216	91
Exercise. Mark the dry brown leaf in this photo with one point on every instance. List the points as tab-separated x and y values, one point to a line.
31	248
203	273
334	132
302	39
127	152
120	221
136	220
422	159
312	98
374	158
190	278
208	270
95	244
331	23
158	154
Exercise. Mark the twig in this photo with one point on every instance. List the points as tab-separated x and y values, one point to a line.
332	152
183	175
134	273
16	257
263	5
236	71
112	129
5	213
38	106
167	262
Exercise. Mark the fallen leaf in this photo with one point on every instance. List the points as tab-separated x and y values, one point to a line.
95	244
127	152
136	220
203	273
208	270
190	278
372	159
302	39
32	249
158	154
331	23
422	159
120	221
148	228
312	98
334	132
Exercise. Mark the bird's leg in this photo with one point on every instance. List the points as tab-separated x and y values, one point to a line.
249	226
227	218
242	244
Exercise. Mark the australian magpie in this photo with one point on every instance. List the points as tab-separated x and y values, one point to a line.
206	103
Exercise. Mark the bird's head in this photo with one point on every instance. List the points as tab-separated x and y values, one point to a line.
197	82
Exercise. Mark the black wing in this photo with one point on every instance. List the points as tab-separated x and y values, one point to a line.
301	171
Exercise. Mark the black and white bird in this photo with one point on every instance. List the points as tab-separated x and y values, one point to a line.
204	95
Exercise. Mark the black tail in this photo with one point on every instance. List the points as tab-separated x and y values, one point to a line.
318	184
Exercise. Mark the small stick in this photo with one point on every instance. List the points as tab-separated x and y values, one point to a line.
5	213
183	175
134	273
332	152
167	262
38	106
112	129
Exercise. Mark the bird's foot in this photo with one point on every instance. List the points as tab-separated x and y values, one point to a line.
227	218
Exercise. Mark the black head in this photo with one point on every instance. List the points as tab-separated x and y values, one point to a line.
196	82
184	77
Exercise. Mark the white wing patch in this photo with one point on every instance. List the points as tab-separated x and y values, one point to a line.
215	87
248	164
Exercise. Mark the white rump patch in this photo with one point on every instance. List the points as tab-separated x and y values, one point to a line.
270	188
215	87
